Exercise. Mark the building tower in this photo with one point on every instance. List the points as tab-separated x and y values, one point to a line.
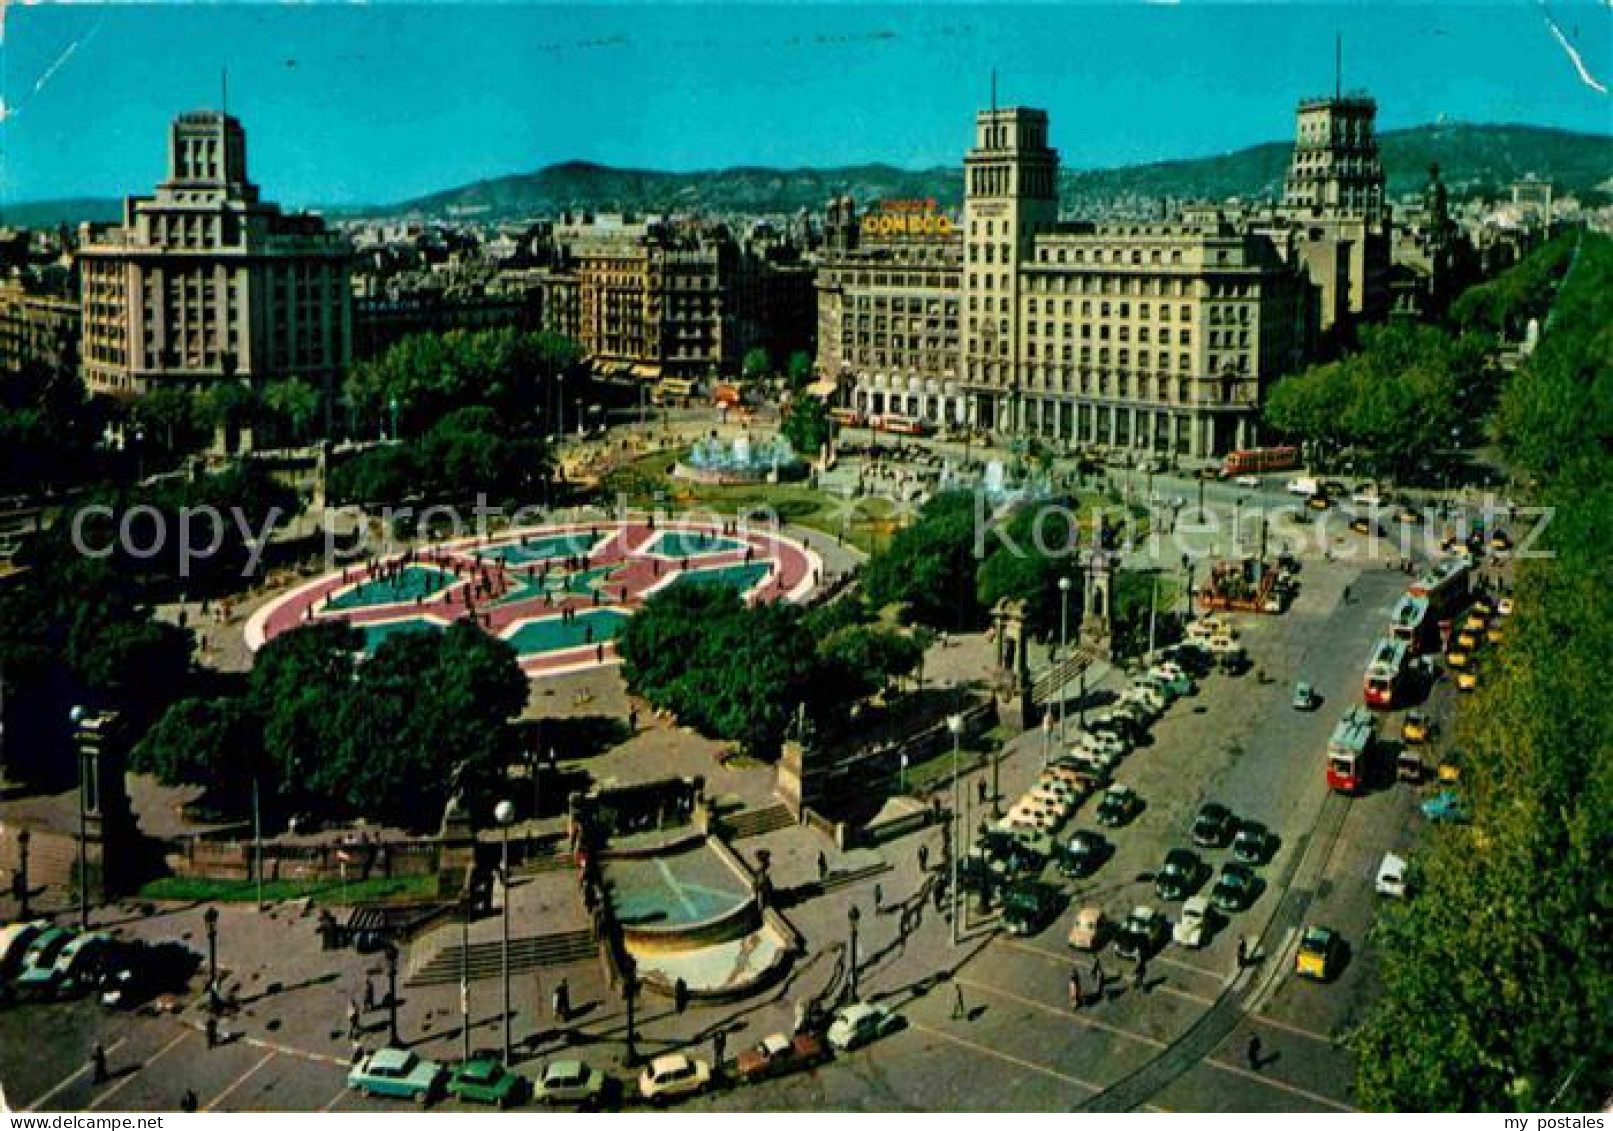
1335	171
1010	195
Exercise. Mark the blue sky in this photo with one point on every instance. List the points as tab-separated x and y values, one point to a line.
381	102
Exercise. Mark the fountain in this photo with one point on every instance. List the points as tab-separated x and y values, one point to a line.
713	460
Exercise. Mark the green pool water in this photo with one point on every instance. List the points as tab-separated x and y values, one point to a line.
740	577
412	582
541	549
551	634
582	582
376	634
691	544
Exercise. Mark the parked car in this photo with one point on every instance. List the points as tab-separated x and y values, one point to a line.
38	969
569	1082
1467	680
483	1080
778	1054
1181	872
1391	878
1030	905
1253	844
1318	955
399	1073
1235	889
1305	697
1247	480
673	1076
1417	728
1504	606
15	941
1103	746
1087	933
1083	853
1193	923
1119	805
1446	806
1141	934
1213	825
856	1025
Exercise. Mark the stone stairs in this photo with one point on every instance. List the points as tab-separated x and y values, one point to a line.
486	958
757	822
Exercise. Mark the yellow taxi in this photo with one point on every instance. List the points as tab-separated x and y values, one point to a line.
1467	640
1467	680
1449	773
1476	621
1495	635
1457	658
1318	954
1416	729
1317	502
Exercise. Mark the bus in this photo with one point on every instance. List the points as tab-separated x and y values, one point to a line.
900	425
1385	671
1349	750
1445	586
1251	461
1410	621
846	417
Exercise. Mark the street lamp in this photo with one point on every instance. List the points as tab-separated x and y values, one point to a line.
464	976
1065	585
852	916
210	920
629	995
23	837
504	813
77	716
955	725
391	953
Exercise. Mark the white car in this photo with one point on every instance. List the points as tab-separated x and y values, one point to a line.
1195	919
668	1077
1051	800
1169	669
1100	742
1247	481
1150	699
1504	606
1391	879
1066	794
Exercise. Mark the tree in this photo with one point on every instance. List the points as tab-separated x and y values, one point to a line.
294	401
806	425
757	363
214	743
1038	548
870	659
929	567
799	370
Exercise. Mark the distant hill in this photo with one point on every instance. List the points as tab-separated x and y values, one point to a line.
1473	160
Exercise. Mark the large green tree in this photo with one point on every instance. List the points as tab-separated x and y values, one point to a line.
929	567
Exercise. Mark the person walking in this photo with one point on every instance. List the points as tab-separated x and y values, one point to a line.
1139	976
98	1073
823	867
352	1019
369	994
188	1102
1098	977
1253	1052
562	1001
959	1012
1075	989
924	858
680	995
879	898
1243	952
211	1030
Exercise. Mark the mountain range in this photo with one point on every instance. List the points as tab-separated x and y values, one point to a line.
1473	159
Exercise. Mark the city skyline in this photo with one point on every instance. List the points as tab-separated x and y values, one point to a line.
797	88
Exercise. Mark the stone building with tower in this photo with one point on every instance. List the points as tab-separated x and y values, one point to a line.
204	282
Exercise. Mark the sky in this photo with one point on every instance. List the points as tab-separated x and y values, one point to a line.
375	103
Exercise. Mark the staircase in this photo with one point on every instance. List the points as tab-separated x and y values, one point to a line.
757	822
486	958
1060	676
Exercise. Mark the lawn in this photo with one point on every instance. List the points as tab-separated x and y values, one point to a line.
186	889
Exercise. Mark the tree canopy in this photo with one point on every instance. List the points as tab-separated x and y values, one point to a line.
806	425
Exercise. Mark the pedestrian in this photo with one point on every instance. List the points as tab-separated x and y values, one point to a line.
879	898
1253	1052
188	1102
1243	952
211	1029
352	1019
562	1001
1098	976
981	791
369	994
823	867
98	1072
680	995
958	1011
924	858
1075	989
1139	976
719	1045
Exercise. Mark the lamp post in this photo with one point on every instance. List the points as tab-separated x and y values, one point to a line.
1047	737
955	725
210	920
464	976
629	995
504	813
391	953
1065	585
852	916
23	837
77	716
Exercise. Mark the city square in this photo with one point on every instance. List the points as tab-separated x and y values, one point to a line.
1075	620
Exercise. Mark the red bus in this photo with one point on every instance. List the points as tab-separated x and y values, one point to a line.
901	425
1385	670
1349	750
1250	461
1444	586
